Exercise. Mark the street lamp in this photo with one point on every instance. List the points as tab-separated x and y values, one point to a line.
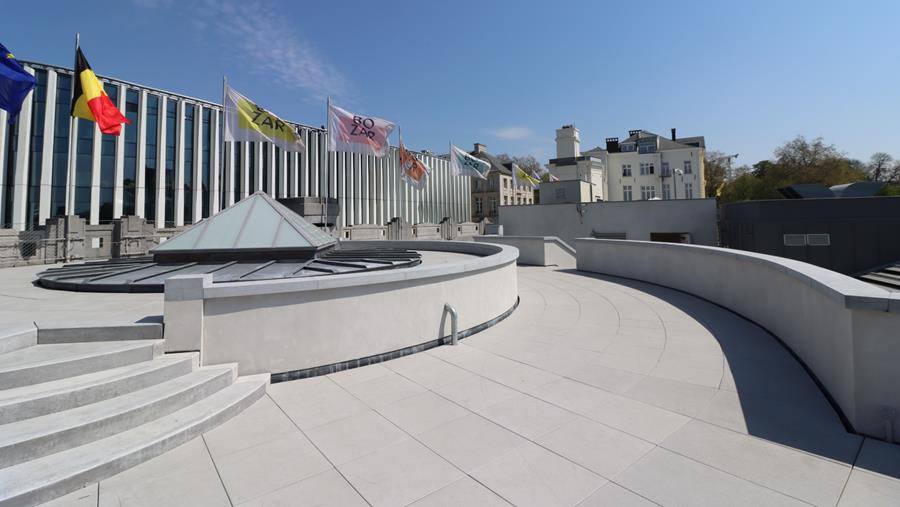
678	172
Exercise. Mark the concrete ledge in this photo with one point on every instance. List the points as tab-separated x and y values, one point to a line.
80	332
17	336
297	324
536	250
845	331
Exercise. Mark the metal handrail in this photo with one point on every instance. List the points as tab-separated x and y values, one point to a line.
454	317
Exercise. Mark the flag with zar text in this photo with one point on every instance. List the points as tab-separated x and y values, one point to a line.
246	121
413	170
356	133
463	164
522	178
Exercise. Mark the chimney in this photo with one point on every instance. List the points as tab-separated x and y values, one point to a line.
480	148
612	144
673	133
568	142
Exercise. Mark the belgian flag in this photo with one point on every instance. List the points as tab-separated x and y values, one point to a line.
91	102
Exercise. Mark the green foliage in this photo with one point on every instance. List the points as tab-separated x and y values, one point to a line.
797	161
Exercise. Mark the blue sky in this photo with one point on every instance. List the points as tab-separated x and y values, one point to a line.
747	75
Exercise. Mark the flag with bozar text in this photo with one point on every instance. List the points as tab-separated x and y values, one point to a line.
357	133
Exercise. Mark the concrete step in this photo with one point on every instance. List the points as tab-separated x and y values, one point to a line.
43	363
40	436
55	396
49	477
17	336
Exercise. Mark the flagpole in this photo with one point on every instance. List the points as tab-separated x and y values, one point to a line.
223	155
70	176
327	157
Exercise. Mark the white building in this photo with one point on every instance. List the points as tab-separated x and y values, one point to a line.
643	166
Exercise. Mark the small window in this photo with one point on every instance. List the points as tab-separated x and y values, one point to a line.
818	239
626	169
626	192
795	240
687	167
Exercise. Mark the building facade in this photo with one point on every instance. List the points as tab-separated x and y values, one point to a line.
643	166
171	167
498	189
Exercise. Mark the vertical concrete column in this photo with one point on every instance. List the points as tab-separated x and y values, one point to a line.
364	188
271	166
295	171
119	173
70	172
215	162
183	313
23	152
304	163
179	163
342	190
95	174
197	188
161	163
313	173
47	152
140	198
230	173
245	169
3	150
284	172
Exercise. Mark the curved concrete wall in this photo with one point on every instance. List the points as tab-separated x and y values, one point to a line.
536	250
285	325
847	332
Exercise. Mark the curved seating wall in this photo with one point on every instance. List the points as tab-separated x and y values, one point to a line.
277	326
847	332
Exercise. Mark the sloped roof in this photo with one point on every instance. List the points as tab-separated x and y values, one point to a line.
256	223
496	163
666	143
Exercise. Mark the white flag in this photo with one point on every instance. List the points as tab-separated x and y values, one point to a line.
245	121
356	133
463	164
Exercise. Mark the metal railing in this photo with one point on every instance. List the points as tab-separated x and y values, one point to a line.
454	318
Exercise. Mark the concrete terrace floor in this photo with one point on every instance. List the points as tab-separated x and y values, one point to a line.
21	300
596	391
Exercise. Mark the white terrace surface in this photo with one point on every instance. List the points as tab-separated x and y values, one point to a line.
594	392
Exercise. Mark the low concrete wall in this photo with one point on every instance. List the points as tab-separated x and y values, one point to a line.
844	330
636	219
277	326
536	250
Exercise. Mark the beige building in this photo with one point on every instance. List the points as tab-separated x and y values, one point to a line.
643	166
498	190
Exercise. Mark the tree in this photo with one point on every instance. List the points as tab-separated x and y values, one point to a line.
716	171
796	161
880	166
530	164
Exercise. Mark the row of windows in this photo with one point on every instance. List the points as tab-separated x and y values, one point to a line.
649	192
108	153
648	168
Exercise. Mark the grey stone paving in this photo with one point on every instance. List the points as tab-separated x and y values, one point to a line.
594	392
22	301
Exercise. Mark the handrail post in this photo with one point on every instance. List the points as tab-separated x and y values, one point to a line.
454	334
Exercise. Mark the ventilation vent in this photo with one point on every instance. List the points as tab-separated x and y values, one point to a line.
608	235
818	239
795	240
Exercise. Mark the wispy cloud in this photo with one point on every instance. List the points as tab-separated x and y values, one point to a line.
512	133
265	44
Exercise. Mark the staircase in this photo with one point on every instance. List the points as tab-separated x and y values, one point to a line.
76	413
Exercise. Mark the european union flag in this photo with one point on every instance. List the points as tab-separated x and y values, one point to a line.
15	84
